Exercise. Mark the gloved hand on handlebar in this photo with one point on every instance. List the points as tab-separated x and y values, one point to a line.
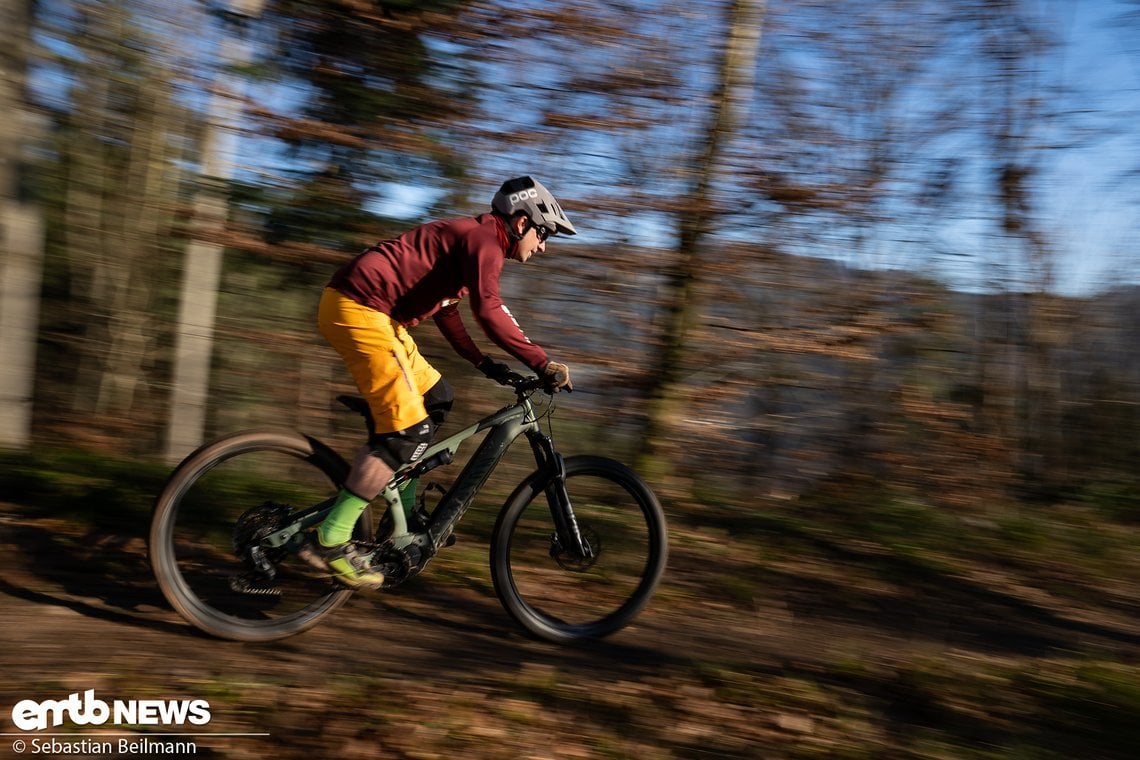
557	376
499	372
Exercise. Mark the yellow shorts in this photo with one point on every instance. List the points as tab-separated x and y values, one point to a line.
382	358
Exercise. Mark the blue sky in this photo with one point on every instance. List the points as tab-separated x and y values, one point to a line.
1093	190
1089	159
1088	208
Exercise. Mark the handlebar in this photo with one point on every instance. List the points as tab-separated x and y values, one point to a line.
523	385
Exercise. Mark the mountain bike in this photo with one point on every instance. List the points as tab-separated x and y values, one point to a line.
576	552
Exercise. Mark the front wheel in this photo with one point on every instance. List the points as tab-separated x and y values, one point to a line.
221	500
556	592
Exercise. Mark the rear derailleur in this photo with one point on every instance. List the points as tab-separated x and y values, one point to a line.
260	563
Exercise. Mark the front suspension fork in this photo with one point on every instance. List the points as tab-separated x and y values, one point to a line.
553	469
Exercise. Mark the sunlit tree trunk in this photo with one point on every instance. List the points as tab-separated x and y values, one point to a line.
21	254
21	236
203	263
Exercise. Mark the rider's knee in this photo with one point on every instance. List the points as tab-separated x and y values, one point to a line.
438	401
403	446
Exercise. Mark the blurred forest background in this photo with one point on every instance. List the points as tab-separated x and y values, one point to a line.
856	288
819	243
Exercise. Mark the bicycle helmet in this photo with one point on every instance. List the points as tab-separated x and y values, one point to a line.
528	196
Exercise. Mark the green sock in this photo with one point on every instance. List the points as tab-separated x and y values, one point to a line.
337	527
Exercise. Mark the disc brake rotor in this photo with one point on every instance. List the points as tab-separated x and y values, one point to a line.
572	560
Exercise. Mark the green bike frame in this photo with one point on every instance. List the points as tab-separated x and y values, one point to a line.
503	428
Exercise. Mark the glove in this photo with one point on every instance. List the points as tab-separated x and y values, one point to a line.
557	376
497	371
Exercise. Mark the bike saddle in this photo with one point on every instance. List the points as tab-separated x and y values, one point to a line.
357	404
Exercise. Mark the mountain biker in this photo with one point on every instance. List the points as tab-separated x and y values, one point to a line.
365	313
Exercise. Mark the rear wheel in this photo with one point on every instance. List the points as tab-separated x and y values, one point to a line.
553	590
223	499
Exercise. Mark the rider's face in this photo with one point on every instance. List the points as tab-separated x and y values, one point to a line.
530	243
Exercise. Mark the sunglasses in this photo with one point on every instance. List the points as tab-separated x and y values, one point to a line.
542	232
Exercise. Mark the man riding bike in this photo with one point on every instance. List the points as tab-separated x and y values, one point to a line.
365	313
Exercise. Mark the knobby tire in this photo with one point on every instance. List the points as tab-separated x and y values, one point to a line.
202	500
563	598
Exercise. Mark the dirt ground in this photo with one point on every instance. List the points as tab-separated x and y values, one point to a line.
804	660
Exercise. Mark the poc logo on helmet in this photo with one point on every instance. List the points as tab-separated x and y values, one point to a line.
522	195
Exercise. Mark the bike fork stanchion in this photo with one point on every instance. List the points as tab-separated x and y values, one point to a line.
566	524
561	511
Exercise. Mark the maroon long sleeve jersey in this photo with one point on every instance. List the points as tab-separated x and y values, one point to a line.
427	270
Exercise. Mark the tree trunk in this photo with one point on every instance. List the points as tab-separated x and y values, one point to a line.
21	237
667	394
202	274
120	148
